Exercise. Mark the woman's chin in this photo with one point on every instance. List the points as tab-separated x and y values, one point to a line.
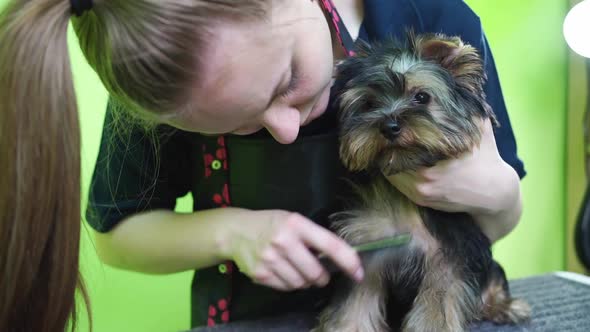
246	131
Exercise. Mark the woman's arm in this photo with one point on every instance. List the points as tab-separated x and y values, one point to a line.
271	246
500	214
162	241
499	223
480	183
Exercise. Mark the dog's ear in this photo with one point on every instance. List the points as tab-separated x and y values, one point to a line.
460	59
441	50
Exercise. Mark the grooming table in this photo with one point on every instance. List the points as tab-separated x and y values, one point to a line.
560	302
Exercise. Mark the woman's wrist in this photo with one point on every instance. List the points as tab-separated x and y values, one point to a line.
227	230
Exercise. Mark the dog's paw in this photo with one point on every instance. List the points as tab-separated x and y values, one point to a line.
513	311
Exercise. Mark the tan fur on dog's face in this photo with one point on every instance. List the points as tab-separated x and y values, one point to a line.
431	91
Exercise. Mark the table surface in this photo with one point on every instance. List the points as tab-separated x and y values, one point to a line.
560	302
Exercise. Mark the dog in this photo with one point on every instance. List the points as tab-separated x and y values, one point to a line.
404	107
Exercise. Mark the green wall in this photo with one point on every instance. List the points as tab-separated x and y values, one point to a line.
530	54
531	58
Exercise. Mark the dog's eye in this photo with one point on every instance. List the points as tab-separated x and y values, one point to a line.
422	98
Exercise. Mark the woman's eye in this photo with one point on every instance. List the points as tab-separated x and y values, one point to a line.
290	89
422	98
293	83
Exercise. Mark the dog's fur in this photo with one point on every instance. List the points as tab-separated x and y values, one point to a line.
404	107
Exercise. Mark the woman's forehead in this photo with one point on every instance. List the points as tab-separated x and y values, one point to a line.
243	60
246	60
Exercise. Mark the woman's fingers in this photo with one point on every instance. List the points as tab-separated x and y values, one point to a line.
283	269
335	248
308	265
268	278
284	260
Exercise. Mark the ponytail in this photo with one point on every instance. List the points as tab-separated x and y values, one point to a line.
39	169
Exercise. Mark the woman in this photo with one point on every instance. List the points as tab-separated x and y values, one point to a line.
254	80
240	96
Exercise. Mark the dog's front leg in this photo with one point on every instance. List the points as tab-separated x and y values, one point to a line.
445	302
362	310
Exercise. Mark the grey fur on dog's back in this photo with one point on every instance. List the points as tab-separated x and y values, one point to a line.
558	305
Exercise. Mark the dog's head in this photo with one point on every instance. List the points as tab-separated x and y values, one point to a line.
405	107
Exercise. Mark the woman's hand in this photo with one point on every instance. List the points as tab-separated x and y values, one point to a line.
478	182
273	249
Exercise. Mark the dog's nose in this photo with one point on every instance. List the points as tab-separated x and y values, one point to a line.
391	129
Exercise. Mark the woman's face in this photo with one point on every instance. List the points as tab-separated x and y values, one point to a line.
274	74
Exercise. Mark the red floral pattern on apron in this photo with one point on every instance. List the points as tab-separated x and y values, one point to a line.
341	32
216	176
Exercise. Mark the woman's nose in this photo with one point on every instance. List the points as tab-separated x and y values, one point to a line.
283	123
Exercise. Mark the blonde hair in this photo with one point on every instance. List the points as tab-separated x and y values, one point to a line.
146	54
40	163
146	51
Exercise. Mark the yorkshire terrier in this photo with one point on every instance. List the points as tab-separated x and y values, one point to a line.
404	107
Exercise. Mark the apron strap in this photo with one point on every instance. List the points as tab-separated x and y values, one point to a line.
215	194
336	22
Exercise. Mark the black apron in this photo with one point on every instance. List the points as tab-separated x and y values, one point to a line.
256	172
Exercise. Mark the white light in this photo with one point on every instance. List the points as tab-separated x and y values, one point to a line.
576	28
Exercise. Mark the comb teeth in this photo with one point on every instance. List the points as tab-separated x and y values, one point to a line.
394	241
390	242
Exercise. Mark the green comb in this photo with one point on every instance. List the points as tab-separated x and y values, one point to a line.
395	241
